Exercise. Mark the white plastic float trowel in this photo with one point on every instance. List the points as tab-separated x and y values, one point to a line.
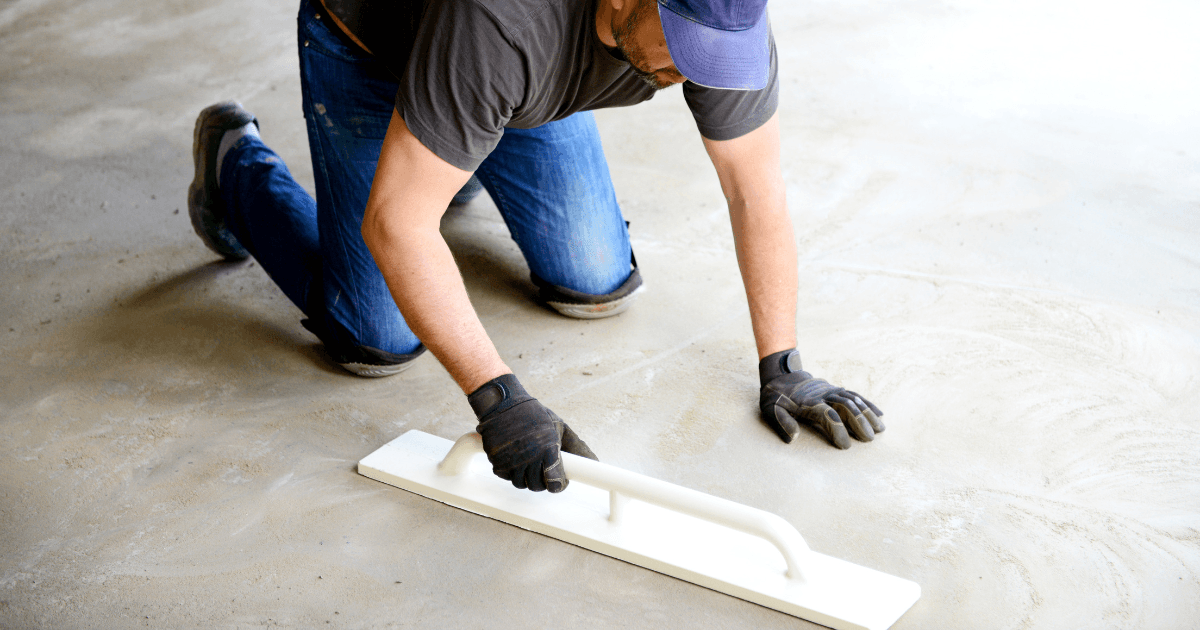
732	548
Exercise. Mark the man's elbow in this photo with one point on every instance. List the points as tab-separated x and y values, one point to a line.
374	229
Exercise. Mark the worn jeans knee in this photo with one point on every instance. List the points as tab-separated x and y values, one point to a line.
588	306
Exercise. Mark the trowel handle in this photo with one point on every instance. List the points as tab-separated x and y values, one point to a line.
623	484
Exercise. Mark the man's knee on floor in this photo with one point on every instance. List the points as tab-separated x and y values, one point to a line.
357	357
588	306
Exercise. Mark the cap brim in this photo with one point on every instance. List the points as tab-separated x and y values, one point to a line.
730	60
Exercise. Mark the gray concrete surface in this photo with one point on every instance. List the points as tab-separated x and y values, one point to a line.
997	208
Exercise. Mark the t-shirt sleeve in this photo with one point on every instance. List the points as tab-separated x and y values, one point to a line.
728	114
463	80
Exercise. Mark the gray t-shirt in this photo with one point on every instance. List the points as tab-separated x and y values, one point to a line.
476	67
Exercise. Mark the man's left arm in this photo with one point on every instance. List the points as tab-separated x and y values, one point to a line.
752	180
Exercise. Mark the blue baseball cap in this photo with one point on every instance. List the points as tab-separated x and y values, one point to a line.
719	43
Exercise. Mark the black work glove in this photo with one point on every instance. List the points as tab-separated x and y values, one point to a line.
522	438
790	394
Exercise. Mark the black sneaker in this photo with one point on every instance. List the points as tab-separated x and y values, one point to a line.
204	199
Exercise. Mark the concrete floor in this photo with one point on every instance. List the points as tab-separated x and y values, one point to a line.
998	212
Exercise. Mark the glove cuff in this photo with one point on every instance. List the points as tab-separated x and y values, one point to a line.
775	365
497	395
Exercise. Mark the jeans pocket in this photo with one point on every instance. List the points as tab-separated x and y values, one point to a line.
317	35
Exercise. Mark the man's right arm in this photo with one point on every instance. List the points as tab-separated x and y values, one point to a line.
401	227
410	193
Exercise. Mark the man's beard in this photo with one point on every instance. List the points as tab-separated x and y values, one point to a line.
649	78
630	49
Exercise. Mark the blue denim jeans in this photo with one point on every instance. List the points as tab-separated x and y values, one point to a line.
551	184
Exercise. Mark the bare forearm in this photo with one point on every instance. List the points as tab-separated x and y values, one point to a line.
411	190
751	177
428	289
766	252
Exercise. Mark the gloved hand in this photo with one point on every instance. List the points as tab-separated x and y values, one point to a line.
522	438
789	394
